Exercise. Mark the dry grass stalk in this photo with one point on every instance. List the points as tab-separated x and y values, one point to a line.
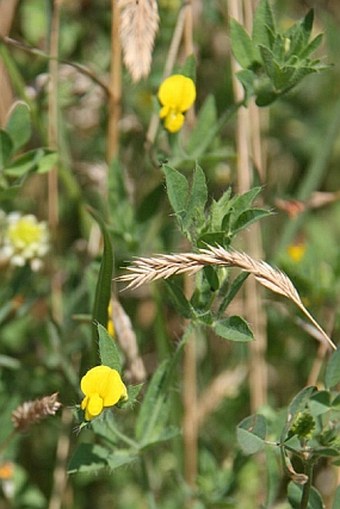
145	270
128	342
31	412
139	25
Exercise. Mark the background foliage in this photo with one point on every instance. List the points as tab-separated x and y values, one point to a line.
106	204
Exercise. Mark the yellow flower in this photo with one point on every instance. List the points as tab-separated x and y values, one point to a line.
103	387
176	94
296	252
25	240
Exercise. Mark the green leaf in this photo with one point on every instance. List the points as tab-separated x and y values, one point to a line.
247	78
206	120
133	392
263	24
103	287
336	502
19	124
298	404
152	414
243	202
232	291
332	374
320	403
6	148
178	298
24	164
177	189
234	328
295	495
47	162
108	351
189	67
121	457
311	47
241	45
251	433
88	458
248	217
197	200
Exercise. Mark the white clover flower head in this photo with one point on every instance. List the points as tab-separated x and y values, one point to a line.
25	240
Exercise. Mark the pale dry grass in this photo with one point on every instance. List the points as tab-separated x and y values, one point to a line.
145	270
138	27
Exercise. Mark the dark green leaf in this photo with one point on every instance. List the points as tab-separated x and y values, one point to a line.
24	164
88	458
311	47
108	351
19	124
6	148
248	217
326	452
243	202
212	277
234	328
177	189
150	204
332	375
103	287
320	403
263	24
178	298
212	238
241	44
206	120
251	433
197	200
232	291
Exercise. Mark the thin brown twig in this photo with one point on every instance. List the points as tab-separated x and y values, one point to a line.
145	270
8	41
115	85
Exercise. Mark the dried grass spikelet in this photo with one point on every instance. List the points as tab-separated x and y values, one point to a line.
31	412
163	266
128	342
139	21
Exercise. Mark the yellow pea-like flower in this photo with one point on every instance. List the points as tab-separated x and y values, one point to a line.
176	94
102	387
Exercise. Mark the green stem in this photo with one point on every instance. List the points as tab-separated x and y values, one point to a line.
123	438
307	486
150	496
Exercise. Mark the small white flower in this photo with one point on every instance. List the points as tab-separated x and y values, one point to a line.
24	240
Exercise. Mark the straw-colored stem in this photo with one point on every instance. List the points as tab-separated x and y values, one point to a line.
248	138
115	85
62	453
53	142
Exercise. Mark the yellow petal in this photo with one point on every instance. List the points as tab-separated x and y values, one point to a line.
174	122
94	406
178	92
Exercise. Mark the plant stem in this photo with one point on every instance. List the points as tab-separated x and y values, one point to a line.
307	486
